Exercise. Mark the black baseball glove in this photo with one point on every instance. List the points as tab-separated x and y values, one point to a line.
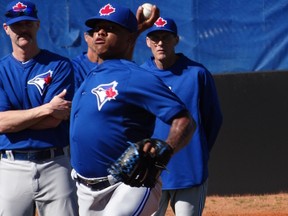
141	169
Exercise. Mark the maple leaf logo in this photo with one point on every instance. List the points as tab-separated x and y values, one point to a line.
160	22
19	7
48	79
107	10
111	93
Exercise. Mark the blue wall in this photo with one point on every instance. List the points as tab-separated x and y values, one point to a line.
228	36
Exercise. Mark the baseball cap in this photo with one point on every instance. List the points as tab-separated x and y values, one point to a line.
116	14
164	24
17	11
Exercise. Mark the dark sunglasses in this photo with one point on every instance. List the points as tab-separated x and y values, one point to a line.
98	28
107	28
26	12
164	38
90	32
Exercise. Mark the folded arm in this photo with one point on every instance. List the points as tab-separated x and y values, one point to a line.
48	115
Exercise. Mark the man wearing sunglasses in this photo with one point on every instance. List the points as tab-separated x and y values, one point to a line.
185	185
115	106
36	88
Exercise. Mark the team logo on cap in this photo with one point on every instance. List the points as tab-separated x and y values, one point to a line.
107	10
160	22
19	7
105	92
41	81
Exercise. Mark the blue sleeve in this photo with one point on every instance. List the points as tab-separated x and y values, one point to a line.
155	96
63	78
209	105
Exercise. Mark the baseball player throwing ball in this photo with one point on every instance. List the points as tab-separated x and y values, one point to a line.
36	87
112	120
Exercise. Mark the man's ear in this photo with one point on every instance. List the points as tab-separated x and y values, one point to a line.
177	40
38	24
85	36
5	27
148	42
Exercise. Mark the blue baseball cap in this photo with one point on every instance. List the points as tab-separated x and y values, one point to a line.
117	14
163	24
17	11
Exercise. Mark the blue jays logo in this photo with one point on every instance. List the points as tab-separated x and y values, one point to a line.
105	92
41	81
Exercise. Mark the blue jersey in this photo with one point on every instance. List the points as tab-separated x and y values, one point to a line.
82	66
117	102
194	85
29	85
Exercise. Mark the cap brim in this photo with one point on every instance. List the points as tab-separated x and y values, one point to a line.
21	18
160	30
91	23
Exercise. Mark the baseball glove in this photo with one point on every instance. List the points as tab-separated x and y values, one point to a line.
141	169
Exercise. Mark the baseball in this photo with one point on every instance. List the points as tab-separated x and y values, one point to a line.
147	10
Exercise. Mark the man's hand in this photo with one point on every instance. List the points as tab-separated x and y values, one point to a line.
144	23
48	115
60	107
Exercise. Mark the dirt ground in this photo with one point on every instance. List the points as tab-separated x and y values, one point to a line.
264	205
